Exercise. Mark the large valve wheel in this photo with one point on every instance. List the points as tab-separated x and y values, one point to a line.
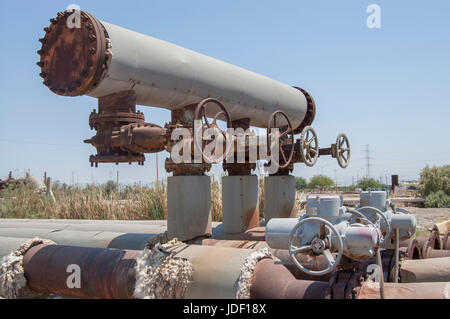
200	114
379	212
343	150
320	245
282	137
309	146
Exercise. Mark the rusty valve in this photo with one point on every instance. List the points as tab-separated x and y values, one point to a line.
200	114
285	137
309	146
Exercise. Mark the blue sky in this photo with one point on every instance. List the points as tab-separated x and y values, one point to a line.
387	87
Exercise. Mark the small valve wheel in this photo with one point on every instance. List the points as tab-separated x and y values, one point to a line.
221	137
342	150
320	245
309	146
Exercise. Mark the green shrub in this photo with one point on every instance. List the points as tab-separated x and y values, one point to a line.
320	181
367	183
438	199
300	183
434	179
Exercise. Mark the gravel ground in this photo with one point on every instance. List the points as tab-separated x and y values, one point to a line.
427	217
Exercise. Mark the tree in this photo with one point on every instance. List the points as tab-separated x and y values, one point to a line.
434	179
321	181
300	183
367	183
434	185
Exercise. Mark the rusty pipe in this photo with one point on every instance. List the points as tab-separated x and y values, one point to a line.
422	290
147	138
110	273
429	252
425	270
273	281
105	273
446	241
244	244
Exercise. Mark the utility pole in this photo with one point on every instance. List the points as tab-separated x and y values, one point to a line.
117	178
367	161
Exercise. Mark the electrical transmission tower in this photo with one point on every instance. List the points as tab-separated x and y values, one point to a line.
367	161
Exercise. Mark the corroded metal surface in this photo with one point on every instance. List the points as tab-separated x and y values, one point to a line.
425	290
446	241
105	273
73	60
274	281
425	270
152	67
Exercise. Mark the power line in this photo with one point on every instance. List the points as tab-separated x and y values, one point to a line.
38	143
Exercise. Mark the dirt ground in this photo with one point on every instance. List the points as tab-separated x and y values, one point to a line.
427	217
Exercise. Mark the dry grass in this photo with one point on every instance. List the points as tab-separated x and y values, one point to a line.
91	202
104	202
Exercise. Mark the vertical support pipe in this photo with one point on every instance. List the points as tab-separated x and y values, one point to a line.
396	256
381	274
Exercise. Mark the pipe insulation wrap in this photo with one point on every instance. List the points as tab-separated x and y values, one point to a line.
12	274
160	274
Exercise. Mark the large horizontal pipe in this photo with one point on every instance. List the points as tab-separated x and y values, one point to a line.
446	241
110	273
421	290
111	59
98	239
425	270
82	221
106	227
429	252
273	281
104	273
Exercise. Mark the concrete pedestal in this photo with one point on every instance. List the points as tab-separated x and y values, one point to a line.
188	207
279	197
240	207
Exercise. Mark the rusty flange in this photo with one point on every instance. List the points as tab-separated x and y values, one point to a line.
310	111
73	57
285	139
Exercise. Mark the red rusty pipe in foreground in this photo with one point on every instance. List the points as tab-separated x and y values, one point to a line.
274	281
109	273
105	273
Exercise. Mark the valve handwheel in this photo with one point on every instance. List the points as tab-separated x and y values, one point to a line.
320	245
288	133
200	114
343	150
309	146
